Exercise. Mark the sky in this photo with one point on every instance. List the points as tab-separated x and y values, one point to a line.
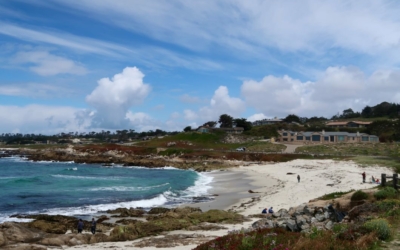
92	65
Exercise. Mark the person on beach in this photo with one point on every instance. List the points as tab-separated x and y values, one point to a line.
271	211
80	226
265	211
93	226
373	179
363	176
298	178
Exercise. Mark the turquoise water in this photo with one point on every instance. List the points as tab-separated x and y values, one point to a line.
82	189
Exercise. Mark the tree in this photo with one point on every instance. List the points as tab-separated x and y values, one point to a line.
226	121
210	124
242	122
187	129
292	118
367	111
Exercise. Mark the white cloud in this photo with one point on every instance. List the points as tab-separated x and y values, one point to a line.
46	64
338	88
369	27
112	98
41	119
256	117
220	103
66	40
34	90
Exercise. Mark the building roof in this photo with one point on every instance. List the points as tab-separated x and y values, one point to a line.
337	123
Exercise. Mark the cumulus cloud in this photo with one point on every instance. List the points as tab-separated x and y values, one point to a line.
220	103
256	117
45	64
112	98
336	89
275	95
41	119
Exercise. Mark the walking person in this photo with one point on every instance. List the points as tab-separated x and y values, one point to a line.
363	176
80	226
298	178
93	226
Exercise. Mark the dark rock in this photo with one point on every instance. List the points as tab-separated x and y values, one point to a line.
158	210
291	225
18	233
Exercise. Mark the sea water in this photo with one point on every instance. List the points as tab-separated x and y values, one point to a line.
68	188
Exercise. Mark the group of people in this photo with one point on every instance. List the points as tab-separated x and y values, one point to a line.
373	179
92	226
268	211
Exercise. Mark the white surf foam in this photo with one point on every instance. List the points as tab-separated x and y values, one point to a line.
122	188
92	209
87	177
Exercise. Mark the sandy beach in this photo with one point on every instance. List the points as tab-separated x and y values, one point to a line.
276	185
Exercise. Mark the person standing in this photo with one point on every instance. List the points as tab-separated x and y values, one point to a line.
363	176
93	226
298	178
80	226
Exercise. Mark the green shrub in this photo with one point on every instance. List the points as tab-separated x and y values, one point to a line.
380	227
388	204
387	192
359	196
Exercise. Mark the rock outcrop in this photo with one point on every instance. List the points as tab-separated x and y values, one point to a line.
300	219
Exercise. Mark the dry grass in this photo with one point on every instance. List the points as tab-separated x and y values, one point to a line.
341	149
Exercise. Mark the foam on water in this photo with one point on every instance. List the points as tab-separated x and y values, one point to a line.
153	188
123	189
86	177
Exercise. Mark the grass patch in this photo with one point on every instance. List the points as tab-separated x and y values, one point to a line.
381	161
334	195
264	147
359	196
364	149
386	193
380	227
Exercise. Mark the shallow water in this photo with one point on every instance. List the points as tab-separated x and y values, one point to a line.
83	189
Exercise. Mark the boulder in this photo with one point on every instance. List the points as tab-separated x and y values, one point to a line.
329	225
281	222
308	210
284	213
3	239
300	220
264	223
97	238
291	225
125	212
320	217
49	226
158	210
16	233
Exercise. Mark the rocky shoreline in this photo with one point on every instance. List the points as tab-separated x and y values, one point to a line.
109	157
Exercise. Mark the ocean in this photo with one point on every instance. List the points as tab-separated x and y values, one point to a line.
72	189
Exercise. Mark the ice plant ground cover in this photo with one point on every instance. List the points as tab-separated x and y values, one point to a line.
347	238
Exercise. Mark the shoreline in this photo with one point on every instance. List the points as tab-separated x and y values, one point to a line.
274	185
277	189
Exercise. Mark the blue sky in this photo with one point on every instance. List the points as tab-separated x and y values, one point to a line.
104	65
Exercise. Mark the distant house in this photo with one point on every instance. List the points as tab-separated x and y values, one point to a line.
324	137
267	122
203	130
343	124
